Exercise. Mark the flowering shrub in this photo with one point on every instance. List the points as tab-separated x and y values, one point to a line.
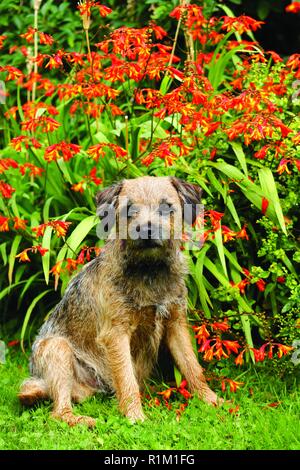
224	114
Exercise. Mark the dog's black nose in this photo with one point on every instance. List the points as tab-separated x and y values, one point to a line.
148	232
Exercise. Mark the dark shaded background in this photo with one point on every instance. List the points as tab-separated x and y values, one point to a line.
281	32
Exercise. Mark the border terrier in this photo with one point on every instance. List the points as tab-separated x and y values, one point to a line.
105	333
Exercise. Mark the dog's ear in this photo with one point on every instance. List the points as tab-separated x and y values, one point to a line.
190	198
108	196
107	202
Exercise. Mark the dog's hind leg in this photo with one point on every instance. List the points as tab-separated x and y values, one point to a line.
55	362
33	390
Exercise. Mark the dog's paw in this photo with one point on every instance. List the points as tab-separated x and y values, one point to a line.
211	398
136	416
73	420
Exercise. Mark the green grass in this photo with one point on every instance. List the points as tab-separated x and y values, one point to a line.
256	426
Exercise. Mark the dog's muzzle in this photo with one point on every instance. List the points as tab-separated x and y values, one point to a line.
148	236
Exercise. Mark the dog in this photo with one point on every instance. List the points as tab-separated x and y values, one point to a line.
105	333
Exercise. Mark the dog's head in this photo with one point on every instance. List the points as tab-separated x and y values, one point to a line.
149	211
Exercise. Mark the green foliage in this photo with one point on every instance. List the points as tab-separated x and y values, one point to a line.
221	115
267	418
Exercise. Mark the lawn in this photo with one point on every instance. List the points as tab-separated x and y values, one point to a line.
256	424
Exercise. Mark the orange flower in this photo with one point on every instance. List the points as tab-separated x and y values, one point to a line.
60	227
29	35
228	234
166	394
201	333
239	360
215	218
234	385
283	350
4	227
33	170
283	166
19	224
6	163
240	24
78	187
72	264
209	354
294	7
61	150
231	346
221	326
242	233
24	256
13	72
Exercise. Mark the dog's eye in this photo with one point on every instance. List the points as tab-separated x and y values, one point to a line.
132	211
166	209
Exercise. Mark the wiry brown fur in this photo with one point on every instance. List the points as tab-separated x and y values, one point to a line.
105	333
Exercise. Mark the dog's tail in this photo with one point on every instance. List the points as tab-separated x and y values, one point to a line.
33	390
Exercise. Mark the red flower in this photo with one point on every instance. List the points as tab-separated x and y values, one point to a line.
2	38
261	284
201	333
241	24
281	279
33	170
6	163
61	150
6	190
19	224
259	354
239	360
215	218
234	385
13	72
4	227
221	326
294	7
228	234
264	205
231	346
34	249
242	233
261	154
283	350
59	226
182	389
283	166
29	35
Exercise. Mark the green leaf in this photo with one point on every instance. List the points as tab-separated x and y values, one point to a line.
12	256
178	376
26	287
269	188
46	209
197	274
239	152
46	243
220	247
8	289
79	234
28	314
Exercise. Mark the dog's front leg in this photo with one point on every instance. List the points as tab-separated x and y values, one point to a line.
117	347
180	345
